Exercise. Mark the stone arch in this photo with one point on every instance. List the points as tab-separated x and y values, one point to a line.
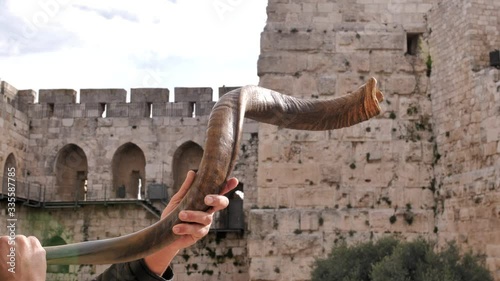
56	268
129	172
186	157
71	171
10	163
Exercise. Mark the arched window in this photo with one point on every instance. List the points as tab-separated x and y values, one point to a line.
9	164
129	172
56	268
186	157
71	173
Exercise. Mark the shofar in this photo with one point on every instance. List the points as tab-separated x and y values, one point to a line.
221	150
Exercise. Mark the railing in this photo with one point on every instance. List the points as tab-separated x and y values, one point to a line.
230	219
20	189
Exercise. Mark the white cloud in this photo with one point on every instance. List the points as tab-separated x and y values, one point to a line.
127	43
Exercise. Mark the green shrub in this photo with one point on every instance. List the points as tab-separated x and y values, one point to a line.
352	263
390	260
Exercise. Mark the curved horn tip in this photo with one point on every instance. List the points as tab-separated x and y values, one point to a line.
372	85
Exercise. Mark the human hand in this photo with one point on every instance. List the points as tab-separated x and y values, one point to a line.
21	259
196	227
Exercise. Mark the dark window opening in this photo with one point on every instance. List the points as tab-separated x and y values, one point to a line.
150	109
412	40
232	218
192	108
103	110
81	185
50	108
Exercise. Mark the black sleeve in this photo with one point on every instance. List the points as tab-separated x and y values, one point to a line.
133	271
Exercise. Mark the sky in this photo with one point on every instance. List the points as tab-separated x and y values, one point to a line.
75	44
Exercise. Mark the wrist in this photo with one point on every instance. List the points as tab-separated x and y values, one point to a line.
159	261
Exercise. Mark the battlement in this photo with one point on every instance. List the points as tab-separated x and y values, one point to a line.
19	99
144	102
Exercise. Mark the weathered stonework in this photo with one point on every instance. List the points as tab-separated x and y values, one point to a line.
429	161
56	140
428	166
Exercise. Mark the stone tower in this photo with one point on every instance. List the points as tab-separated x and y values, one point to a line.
428	166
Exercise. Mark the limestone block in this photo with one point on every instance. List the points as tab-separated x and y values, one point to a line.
24	99
331	219
291	41
179	109
288	220
348	83
185	94
281	63
300	244
117	110
306	86
204	108
265	268
287	174
363	197
149	95
490	148
379	219
401	84
309	220
262	222
263	247
55	96
370	130
349	41
279	83
326	85
224	90
103	96
7	90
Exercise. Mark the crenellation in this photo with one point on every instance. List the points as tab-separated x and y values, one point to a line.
196	95
103	96
56	96
7	91
149	95
24	99
224	90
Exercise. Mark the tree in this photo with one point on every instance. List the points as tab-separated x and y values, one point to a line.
391	260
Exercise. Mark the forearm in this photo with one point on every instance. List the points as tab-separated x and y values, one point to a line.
160	261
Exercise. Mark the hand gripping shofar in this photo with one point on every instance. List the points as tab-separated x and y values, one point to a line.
221	150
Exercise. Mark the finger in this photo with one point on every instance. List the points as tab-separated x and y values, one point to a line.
230	185
217	202
185	186
195	230
197	217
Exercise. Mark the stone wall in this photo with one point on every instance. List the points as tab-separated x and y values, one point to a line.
56	137
353	184
465	96
14	129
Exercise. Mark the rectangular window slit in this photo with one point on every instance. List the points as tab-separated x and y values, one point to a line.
412	40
